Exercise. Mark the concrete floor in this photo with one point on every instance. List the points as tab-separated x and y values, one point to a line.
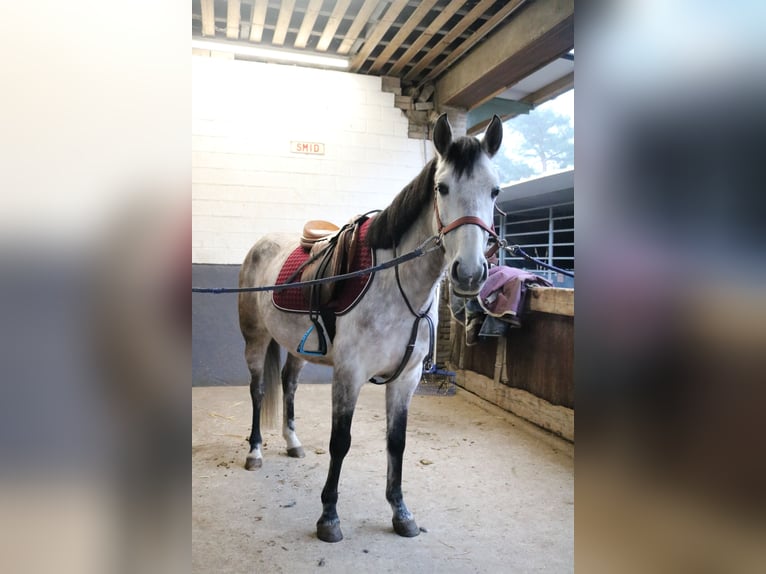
491	492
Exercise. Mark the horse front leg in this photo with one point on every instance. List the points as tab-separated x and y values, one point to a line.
290	373
398	396
344	397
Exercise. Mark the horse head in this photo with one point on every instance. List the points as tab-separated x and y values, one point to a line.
466	185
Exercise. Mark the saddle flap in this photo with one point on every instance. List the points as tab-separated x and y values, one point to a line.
333	257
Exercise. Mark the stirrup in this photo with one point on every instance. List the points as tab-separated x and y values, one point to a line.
321	349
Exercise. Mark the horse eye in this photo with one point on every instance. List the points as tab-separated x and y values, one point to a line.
495	192
442	189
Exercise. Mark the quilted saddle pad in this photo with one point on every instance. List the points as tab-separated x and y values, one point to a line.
350	291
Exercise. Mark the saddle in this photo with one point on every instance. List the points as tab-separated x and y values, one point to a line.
325	251
332	251
316	230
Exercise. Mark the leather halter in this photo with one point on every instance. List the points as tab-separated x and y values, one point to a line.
466	220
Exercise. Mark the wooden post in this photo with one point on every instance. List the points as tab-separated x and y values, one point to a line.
500	361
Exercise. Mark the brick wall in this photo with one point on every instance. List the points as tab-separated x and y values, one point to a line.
245	180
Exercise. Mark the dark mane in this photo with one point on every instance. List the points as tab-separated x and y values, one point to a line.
462	155
389	225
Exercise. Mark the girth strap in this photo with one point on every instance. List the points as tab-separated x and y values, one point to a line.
318	305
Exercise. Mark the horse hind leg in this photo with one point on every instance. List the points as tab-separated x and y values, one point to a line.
290	373
398	396
263	362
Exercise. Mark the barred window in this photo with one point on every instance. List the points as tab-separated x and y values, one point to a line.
544	232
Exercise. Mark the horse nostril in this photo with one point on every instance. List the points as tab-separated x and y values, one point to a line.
484	272
455	265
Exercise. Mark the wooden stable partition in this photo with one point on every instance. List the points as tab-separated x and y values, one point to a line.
529	372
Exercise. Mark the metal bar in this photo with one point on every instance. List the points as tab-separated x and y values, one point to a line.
520	233
534	245
523	221
539	208
511	257
550	236
502	225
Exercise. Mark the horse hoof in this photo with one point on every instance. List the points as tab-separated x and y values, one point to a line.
329	532
407	528
252	463
296	452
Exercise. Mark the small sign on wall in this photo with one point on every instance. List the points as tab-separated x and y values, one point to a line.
313	148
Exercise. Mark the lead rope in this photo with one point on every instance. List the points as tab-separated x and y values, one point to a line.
428	361
419	251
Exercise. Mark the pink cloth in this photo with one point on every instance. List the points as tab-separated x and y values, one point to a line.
501	293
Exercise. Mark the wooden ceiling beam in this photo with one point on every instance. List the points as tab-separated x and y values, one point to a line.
258	20
332	24
356	26
417	16
232	19
451	36
377	33
443	17
208	17
309	18
283	22
475	38
552	90
537	35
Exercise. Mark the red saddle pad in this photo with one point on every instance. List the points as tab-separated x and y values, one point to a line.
350	292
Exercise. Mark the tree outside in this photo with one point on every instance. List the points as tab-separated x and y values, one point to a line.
539	142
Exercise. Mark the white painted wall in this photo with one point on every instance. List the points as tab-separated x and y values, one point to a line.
245	180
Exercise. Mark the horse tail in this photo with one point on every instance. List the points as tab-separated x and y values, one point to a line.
271	385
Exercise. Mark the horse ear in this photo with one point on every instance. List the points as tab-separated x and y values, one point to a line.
442	135
493	137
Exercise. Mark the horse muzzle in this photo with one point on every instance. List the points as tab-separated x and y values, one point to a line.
467	279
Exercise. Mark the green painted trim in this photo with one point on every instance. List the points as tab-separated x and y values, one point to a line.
498	106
